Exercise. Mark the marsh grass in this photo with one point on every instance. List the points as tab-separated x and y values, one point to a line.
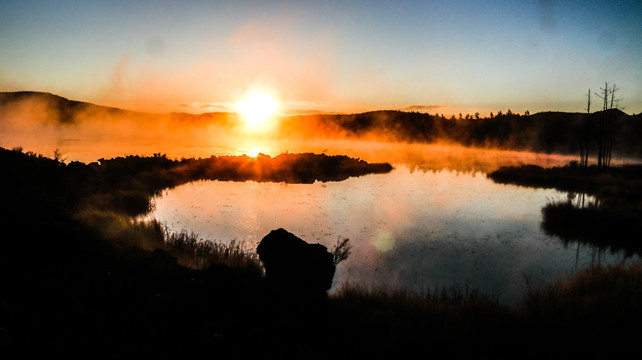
193	251
125	231
416	308
598	294
341	250
610	292
590	314
400	322
615	229
188	248
437	297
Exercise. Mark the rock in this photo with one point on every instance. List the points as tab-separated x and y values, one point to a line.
294	266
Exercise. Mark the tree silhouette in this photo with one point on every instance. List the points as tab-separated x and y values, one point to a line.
585	135
605	127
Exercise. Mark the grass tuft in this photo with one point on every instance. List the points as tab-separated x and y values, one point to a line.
193	251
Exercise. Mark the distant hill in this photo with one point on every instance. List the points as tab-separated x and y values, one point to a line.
541	132
65	111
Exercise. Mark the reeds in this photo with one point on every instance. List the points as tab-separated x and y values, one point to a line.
415	301
596	302
188	248
193	251
341	250
617	286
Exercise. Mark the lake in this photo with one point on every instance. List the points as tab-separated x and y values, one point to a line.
435	221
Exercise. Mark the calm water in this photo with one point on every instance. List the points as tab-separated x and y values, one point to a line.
436	220
427	223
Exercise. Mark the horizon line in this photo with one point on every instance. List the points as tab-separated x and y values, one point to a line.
413	108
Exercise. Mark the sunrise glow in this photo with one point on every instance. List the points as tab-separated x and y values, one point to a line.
257	109
254	152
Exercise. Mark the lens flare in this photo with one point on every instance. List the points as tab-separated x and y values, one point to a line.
384	241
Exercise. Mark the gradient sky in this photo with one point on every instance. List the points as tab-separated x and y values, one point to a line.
337	56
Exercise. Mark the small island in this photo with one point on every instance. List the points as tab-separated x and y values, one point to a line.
603	206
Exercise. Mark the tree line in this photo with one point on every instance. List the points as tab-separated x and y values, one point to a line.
542	132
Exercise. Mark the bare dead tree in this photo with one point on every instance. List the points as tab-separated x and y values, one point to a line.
585	135
607	125
600	143
611	125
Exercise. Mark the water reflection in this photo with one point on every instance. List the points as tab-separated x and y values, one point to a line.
408	228
596	221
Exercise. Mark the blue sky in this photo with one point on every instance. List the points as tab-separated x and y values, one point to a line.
445	56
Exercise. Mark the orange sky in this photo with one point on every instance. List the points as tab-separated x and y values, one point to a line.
331	56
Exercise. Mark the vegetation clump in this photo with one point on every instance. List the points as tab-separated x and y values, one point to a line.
603	207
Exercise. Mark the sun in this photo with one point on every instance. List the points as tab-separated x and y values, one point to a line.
254	152
257	109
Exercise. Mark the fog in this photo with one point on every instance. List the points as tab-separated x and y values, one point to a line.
44	123
85	132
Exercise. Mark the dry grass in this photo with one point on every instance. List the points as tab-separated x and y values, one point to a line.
193	251
607	290
188	248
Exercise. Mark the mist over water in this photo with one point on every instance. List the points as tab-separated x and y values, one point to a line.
435	220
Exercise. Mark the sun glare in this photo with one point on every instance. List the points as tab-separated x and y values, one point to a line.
257	109
254	152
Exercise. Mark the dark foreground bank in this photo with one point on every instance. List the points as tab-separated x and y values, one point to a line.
81	278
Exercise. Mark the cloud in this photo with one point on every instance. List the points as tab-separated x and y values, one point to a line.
422	107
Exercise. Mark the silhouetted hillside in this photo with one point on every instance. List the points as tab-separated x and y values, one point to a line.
542	132
61	110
